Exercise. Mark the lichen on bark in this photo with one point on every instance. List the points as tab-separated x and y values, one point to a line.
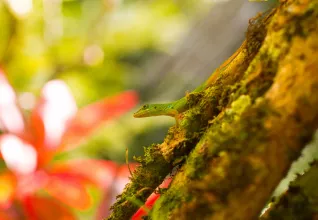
240	135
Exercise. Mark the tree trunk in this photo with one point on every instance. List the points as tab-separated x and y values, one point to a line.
241	134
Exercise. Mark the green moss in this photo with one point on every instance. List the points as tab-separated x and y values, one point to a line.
196	163
239	105
149	155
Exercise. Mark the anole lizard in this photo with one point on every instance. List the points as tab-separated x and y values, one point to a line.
174	108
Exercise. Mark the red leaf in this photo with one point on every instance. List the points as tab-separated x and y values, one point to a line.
31	183
49	118
11	119
8	184
38	134
37	128
43	208
6	216
69	190
92	116
99	172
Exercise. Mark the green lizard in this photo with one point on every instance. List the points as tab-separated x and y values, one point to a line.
174	108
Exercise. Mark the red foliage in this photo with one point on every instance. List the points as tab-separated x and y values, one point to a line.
28	147
46	208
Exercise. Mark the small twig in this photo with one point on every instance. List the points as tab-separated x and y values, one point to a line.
128	162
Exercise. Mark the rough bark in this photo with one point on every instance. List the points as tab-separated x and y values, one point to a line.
239	136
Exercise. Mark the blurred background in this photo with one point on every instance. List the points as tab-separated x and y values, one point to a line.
101	48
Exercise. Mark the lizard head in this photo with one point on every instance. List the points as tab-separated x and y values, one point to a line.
148	110
142	112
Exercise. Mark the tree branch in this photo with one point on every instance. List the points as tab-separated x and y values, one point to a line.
251	144
160	159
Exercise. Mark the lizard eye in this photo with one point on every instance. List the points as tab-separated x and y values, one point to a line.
145	107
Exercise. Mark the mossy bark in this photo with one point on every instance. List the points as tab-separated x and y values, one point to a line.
240	135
